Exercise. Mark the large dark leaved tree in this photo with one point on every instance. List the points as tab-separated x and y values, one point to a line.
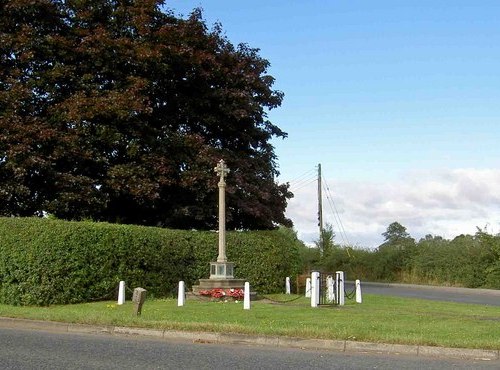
119	110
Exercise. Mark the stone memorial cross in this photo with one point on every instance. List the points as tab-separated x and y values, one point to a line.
222	170
221	271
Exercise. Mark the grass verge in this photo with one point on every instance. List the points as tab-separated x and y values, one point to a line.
380	319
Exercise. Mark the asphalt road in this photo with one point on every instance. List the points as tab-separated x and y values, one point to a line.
462	295
28	349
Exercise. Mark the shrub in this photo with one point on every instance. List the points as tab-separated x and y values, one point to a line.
45	261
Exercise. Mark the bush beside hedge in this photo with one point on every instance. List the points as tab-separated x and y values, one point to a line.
45	261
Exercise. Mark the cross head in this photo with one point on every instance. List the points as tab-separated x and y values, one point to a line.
222	170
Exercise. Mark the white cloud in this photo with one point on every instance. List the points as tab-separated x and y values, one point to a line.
446	203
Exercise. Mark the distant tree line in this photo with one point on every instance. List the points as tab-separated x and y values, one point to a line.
467	260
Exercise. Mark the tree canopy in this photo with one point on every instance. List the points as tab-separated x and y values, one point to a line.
326	240
118	110
395	232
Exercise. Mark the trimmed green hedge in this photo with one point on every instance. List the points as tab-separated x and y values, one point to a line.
46	261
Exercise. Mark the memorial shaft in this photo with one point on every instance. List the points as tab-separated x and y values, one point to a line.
222	221
222	170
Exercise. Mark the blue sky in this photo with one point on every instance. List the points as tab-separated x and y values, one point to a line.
399	100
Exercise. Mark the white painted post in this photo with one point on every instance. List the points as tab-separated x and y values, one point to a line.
314	289
181	294
330	290
339	276
337	287
121	293
359	299
287	285
308	287
246	296
317	287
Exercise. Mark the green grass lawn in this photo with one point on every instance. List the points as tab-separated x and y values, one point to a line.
378	319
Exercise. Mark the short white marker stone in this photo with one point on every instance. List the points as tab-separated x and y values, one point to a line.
246	296
181	294
308	287
314	289
339	277
287	285
121	293
359	298
330	285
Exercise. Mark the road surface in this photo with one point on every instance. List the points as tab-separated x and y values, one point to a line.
28	349
462	295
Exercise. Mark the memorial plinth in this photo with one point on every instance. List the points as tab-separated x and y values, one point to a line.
225	284
221	271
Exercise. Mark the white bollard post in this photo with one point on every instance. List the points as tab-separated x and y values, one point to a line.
287	285
181	294
121	293
246	296
308	287
339	276
337	287
314	289
330	289
359	299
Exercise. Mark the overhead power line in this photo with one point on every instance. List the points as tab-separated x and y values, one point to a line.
336	214
305	174
314	176
303	180
302	185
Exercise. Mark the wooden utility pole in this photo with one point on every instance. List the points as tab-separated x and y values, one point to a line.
320	206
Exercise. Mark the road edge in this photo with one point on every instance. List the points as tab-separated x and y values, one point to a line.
268	341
